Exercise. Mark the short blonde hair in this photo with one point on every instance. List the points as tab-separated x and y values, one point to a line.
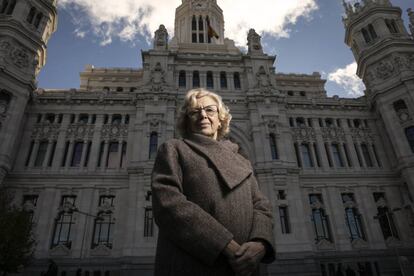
190	102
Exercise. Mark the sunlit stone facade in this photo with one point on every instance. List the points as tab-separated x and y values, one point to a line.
339	172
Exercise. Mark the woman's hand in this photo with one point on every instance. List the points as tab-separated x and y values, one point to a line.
247	258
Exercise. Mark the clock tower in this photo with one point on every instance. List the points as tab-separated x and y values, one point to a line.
199	22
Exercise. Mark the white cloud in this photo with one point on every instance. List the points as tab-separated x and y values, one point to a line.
130	19
347	78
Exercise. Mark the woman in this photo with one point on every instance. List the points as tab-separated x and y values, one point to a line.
212	218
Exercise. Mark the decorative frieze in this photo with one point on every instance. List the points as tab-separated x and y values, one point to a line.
46	131
114	132
333	134
362	134
80	132
303	134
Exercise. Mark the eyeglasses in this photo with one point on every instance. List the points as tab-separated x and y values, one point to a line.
210	110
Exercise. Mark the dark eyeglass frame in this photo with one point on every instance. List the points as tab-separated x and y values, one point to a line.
210	110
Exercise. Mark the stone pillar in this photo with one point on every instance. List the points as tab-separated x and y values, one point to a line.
69	154
48	154
34	153
84	151
313	154
359	152
343	155
104	155
61	142
96	143
119	154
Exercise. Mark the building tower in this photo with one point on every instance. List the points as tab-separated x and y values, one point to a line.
384	52
25	28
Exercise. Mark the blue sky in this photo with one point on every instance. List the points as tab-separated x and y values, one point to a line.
306	36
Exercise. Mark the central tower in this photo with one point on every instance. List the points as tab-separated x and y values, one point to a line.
199	21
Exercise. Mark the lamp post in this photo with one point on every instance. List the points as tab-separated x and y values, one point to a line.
394	235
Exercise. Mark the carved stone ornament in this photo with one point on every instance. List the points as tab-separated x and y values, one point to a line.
333	133
403	115
350	204
304	133
60	251
80	131
46	131
402	62
161	38
272	124
325	245
101	250
359	244
199	5
263	79
362	134
385	69
317	205
254	41
12	53
114	132
381	203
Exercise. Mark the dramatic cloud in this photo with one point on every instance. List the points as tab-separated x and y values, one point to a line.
347	78
130	20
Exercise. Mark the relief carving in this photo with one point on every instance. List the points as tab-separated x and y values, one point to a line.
161	38
333	133
384	70
254	41
304	134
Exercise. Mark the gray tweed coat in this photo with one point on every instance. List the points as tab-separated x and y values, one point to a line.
204	195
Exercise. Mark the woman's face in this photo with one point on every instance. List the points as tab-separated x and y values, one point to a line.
204	117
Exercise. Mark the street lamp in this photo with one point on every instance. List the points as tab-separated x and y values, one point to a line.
394	235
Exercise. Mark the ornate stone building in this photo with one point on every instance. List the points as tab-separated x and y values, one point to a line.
339	172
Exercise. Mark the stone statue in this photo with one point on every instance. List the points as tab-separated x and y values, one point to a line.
161	38
411	17
254	42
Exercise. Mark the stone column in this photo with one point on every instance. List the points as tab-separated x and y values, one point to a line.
84	151
189	79
104	155
359	149
34	153
69	154
119	154
61	142
313	154
373	156
343	155
328	151
96	143
230	81
48	154
3	174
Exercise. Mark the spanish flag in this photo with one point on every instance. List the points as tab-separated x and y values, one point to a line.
211	31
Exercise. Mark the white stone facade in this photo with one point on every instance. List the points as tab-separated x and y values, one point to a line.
319	159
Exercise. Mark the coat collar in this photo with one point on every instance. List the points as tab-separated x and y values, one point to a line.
230	165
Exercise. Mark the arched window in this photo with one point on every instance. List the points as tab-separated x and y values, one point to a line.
194	24
273	146
116	119
38	19
223	80
366	36
236	78
372	32
3	7
409	133
210	81
83	118
153	146
392	26
4	102
399	105
11	7
182	82
196	79
200	24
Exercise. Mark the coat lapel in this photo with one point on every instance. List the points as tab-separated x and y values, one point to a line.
231	166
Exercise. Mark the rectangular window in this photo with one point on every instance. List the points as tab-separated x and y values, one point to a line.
77	154
337	155
41	153
319	218
62	234
111	159
284	219
88	152
306	156
148	222
103	230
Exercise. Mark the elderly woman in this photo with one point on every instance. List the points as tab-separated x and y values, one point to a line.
212	218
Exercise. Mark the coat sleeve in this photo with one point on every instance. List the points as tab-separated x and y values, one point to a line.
185	223
262	229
